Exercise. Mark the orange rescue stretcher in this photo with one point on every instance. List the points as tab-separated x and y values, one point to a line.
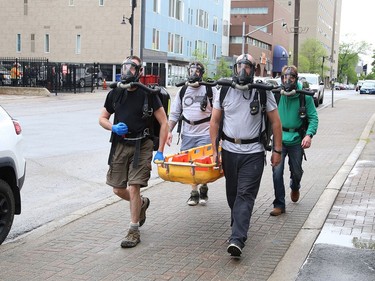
193	166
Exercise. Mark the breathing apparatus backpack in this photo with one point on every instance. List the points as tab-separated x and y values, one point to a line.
301	112
120	96
258	104
203	105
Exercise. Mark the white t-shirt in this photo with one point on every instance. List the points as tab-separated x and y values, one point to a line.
238	121
191	110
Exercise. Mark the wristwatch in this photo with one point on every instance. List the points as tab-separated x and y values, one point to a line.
277	151
310	135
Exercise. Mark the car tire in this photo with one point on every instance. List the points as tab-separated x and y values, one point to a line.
316	101
321	98
81	83
7	209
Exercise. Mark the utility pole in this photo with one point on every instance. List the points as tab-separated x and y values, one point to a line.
296	31
333	50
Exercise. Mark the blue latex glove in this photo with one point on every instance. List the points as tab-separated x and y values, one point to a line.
120	129
159	156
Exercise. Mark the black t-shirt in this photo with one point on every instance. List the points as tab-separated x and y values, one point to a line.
128	108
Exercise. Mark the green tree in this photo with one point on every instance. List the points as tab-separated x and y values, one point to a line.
311	56
222	69
304	64
348	60
373	62
200	56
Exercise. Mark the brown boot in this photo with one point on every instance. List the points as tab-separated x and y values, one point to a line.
294	195
277	212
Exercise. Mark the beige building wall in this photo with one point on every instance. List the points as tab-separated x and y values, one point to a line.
317	17
103	37
316	21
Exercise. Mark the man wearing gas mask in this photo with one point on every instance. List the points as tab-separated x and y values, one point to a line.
242	154
132	148
192	106
296	136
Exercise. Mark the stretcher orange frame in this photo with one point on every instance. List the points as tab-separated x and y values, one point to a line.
193	166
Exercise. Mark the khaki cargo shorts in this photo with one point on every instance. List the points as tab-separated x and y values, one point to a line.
121	172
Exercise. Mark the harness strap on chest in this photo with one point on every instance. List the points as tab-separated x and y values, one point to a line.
207	119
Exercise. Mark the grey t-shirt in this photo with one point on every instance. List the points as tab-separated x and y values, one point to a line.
191	110
238	121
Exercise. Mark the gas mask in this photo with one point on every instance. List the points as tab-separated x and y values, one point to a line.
289	80
244	69
195	72
130	71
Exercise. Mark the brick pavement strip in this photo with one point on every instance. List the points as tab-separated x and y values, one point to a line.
179	242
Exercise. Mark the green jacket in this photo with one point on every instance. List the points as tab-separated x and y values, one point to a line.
288	108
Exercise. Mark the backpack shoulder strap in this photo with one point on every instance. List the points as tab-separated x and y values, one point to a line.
302	100
263	99
182	92
223	93
119	96
209	94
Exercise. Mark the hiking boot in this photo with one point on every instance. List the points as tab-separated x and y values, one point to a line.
203	190
142	215
194	198
294	195
277	212
131	239
234	250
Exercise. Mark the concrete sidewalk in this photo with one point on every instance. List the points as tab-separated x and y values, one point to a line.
180	242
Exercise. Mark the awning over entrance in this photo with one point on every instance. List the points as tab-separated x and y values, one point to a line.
280	58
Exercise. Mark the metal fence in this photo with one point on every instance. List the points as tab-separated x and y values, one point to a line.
67	77
56	77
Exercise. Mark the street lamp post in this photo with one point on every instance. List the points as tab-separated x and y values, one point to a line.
131	22
259	28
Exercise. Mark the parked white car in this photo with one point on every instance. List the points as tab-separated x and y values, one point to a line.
12	171
316	85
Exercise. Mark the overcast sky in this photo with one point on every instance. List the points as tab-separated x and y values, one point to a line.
357	22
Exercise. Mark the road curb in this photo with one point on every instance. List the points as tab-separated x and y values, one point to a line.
294	258
76	215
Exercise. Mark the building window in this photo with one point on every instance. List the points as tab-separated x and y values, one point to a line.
235	40
32	43
189	48
249	11
214	51
190	16
155	39
156	6
25	7
214	24
71	2
46	43
201	46
101	2
170	42
178	44
18	43
78	44
202	18
176	9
